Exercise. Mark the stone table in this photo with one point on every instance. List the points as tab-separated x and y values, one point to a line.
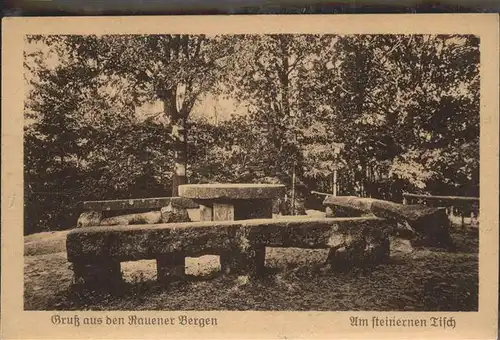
226	202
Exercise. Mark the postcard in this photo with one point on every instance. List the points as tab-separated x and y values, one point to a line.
250	177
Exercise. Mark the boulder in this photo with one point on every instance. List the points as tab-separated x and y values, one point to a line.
427	225
400	245
315	213
430	224
365	249
89	218
174	214
152	217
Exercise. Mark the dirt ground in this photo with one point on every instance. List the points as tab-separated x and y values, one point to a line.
421	279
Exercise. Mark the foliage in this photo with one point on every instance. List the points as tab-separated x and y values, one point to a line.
402	109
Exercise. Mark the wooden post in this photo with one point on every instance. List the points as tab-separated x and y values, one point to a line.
473	219
335	182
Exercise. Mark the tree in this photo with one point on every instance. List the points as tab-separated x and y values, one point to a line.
268	72
83	140
177	70
400	104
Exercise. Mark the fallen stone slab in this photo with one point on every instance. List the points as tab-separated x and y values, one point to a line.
353	206
430	225
292	217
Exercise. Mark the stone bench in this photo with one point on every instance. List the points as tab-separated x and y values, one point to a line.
96	252
95	212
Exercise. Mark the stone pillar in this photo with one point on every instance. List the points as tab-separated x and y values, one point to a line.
249	262
102	275
206	213
253	260
170	268
229	259
223	212
474	219
260	261
360	251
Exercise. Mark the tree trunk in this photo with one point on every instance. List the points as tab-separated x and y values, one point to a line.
178	134
180	154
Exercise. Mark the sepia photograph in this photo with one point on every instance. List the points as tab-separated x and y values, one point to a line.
271	172
250	177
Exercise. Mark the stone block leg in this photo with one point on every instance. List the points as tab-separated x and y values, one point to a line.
360	252
102	275
250	262
170	268
223	212
378	251
260	261
206	213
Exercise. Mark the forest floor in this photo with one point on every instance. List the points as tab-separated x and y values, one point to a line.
422	279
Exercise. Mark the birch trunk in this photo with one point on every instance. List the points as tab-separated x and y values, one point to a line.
178	135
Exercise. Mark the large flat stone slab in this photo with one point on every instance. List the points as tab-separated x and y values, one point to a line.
363	204
231	191
240	245
139	203
136	242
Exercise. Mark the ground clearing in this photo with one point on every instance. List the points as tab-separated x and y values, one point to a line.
422	280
